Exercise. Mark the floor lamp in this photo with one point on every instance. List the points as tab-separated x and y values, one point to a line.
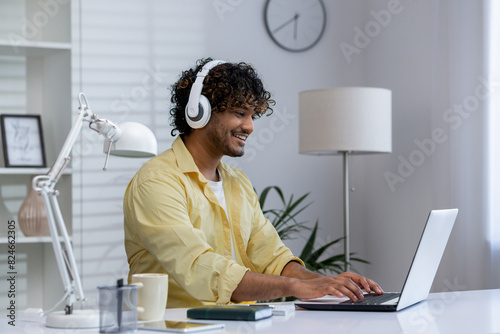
128	139
345	120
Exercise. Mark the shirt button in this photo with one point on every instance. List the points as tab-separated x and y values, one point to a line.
225	223
226	252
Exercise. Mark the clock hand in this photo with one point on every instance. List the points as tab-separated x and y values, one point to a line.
294	18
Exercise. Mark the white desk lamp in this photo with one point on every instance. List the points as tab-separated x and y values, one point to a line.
127	139
345	120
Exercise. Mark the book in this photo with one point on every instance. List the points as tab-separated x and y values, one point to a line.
230	312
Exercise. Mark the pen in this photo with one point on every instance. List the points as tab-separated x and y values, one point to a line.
119	285
268	305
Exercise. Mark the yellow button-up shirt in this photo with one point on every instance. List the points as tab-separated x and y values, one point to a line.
175	224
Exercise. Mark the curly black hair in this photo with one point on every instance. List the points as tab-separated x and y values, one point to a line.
227	86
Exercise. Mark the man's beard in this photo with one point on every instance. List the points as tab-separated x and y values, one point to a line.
218	133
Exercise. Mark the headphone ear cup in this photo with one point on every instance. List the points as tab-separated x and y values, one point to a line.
206	110
198	108
204	113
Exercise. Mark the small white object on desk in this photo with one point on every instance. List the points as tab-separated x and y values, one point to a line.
281	308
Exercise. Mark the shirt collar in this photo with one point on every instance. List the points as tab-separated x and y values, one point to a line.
184	158
186	162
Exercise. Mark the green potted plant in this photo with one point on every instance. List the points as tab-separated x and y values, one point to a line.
285	221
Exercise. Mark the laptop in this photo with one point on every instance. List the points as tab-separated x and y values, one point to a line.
419	280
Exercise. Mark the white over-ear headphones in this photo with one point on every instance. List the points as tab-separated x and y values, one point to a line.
198	109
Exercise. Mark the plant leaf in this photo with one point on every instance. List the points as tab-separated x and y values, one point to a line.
317	253
285	222
309	246
265	192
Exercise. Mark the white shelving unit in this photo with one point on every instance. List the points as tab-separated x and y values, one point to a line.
29	171
35	78
32	49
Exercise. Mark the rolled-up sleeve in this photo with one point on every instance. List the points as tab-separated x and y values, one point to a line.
261	245
265	249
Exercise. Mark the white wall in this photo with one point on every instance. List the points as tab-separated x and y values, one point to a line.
388	221
120	39
430	56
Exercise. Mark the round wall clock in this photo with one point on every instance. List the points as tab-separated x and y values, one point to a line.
295	25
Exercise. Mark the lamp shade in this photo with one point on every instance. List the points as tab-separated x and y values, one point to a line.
345	119
136	141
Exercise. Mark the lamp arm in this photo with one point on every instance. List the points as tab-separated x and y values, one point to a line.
45	185
68	271
65	258
63	159
104	127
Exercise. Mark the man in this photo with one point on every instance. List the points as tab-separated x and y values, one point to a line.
190	215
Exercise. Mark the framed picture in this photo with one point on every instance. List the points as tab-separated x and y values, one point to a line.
22	140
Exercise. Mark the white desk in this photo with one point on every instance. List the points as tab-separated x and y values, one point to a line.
451	312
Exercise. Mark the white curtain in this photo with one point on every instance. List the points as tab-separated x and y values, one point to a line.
470	41
494	141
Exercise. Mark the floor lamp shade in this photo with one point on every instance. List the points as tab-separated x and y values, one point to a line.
345	119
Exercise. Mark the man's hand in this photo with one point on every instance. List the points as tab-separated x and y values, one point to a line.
297	281
346	284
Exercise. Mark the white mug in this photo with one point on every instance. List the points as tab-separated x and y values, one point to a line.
152	295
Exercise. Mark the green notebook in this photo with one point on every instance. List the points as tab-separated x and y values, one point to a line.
230	312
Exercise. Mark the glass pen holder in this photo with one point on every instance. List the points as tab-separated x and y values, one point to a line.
118	309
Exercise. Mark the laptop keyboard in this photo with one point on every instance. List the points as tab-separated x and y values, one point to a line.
374	299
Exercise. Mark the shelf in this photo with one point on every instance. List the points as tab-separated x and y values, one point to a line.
32	49
29	171
31	240
27	240
35	78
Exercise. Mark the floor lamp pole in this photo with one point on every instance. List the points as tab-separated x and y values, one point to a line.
346	210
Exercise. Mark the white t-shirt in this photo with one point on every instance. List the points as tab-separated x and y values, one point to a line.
219	193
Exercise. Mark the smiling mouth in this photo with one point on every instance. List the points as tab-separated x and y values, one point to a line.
242	138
